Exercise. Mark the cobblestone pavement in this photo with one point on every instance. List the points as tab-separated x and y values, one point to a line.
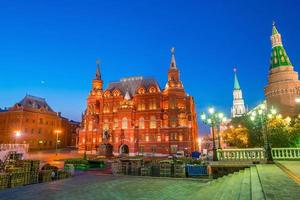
93	186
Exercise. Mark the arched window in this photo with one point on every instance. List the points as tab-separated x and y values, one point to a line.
106	124
141	106
172	103
124	123
173	122
152	104
152	122
97	105
90	126
142	123
116	123
182	119
115	108
106	108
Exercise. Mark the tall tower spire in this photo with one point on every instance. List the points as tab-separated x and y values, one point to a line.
173	62
283	83
238	107
236	81
173	73
98	73
97	82
279	56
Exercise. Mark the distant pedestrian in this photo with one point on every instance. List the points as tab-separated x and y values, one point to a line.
53	175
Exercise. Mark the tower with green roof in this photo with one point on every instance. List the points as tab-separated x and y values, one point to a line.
238	106
283	83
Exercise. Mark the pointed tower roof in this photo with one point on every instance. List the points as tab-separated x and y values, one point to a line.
236	81
98	73
274	29
279	56
127	96
173	62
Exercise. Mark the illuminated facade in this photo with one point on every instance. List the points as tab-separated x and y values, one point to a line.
135	116
283	84
32	121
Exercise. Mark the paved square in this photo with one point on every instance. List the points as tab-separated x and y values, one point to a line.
97	186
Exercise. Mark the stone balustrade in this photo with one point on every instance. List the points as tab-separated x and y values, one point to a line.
286	153
15	147
241	154
258	154
19	148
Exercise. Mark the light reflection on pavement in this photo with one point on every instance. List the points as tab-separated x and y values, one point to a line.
52	158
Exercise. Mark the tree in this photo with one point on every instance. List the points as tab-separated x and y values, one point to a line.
295	134
281	132
278	132
254	131
237	137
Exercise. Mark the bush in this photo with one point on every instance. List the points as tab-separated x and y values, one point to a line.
76	161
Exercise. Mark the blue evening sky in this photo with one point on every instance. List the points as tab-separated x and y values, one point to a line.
49	48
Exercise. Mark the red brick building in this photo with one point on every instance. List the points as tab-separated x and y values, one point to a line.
32	121
136	116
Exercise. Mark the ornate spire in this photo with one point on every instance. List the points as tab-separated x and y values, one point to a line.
173	62
238	107
236	81
279	56
98	74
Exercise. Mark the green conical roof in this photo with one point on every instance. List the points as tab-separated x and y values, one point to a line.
279	56
236	82
274	29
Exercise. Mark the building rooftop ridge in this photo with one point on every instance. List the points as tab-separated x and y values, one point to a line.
35	97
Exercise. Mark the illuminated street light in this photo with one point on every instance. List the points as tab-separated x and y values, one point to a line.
273	111
263	116
17	135
214	120
199	143
211	110
56	143
297	99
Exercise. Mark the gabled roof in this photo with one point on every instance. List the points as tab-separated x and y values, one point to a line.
131	84
34	102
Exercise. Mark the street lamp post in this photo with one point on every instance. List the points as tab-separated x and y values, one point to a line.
213	119
263	116
17	135
56	143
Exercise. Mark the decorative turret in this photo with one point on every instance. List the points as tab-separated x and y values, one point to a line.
278	55
238	107
173	73
283	84
97	82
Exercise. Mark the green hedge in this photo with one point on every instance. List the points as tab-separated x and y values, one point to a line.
76	161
